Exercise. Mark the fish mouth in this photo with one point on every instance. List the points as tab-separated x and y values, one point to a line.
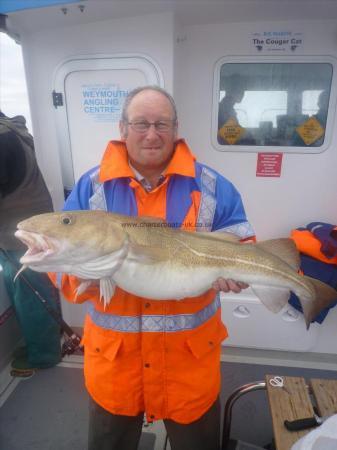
39	247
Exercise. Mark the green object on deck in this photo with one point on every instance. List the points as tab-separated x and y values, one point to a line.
40	331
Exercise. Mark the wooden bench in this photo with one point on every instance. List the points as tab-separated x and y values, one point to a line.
293	402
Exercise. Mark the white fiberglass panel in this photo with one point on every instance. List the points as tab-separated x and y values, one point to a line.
251	325
93	91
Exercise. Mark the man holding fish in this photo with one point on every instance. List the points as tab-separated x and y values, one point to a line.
168	374
153	330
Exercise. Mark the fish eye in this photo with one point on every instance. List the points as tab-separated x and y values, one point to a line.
66	220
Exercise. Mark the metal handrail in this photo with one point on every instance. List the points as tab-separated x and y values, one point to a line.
245	389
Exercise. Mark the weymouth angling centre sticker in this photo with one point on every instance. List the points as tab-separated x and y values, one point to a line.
103	102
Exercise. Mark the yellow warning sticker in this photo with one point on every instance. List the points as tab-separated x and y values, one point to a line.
231	131
310	131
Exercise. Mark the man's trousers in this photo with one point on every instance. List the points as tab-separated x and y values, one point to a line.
114	432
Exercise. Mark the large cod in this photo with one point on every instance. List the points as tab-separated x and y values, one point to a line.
146	257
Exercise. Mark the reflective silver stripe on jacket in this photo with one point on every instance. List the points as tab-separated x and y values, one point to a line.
97	200
155	323
243	230
208	201
59	276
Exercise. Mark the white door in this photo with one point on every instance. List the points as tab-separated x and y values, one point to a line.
92	90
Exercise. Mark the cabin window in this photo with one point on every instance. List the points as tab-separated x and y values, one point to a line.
272	104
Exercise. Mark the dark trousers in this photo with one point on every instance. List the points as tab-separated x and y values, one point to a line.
113	432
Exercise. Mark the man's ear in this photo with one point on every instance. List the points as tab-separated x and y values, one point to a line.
123	130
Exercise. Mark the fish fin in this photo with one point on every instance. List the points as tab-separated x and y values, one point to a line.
107	288
103	266
82	287
273	298
325	295
284	249
219	236
148	255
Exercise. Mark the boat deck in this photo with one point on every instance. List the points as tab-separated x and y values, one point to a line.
49	411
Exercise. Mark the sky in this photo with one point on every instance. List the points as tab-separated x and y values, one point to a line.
13	91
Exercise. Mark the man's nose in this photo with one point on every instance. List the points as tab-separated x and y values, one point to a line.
151	131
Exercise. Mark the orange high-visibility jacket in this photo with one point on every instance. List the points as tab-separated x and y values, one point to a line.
161	357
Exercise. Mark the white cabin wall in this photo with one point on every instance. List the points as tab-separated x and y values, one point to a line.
186	55
178	61
44	51
306	190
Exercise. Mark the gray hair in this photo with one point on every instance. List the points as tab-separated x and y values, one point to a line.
134	92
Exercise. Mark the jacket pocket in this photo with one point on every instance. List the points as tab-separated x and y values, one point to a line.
207	340
102	343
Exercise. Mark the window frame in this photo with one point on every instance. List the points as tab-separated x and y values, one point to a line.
263	59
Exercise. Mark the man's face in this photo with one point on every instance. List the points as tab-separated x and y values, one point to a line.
149	149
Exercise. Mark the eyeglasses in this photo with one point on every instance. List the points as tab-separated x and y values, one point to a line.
161	126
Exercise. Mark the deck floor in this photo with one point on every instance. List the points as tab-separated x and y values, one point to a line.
50	410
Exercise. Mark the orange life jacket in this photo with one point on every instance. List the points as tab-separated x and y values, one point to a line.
161	357
308	244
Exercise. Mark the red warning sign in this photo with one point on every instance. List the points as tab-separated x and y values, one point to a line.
269	164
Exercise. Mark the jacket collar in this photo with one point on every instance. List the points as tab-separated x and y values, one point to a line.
115	162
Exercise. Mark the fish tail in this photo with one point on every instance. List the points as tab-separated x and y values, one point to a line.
325	295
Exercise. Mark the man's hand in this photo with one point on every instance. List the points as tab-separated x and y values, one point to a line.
221	284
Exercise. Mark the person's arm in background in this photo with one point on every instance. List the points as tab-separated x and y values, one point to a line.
12	163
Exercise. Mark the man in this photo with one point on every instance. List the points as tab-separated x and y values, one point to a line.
323	106
132	364
227	111
23	193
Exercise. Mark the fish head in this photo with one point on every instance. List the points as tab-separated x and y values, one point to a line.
58	240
